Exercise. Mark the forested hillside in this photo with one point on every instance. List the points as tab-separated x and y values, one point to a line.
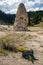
35	17
6	18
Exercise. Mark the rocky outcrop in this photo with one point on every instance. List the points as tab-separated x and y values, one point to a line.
21	19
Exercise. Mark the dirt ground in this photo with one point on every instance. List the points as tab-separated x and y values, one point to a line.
34	42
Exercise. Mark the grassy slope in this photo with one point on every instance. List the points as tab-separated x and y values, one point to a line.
39	25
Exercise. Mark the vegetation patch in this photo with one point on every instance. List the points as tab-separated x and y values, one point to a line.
4	51
21	48
39	25
7	43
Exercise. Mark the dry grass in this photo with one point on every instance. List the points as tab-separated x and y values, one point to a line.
4	51
16	41
39	25
12	42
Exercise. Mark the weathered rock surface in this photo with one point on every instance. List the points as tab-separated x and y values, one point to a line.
21	19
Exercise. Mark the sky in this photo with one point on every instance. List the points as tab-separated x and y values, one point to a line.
11	6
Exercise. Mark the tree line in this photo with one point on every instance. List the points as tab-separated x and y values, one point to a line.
34	17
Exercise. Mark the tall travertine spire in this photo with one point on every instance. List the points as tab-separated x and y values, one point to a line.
21	19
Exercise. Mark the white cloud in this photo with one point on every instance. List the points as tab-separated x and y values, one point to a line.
33	9
41	8
1	2
38	1
29	3
12	11
10	2
12	5
36	9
